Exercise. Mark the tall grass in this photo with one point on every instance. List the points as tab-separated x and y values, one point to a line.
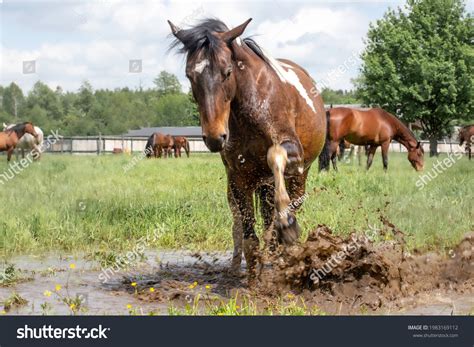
85	203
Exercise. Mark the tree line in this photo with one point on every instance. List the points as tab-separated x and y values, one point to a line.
89	111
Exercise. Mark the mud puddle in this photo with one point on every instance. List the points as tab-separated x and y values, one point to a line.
333	274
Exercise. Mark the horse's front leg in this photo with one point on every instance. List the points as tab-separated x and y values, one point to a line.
370	155
242	194
237	232
9	153
285	158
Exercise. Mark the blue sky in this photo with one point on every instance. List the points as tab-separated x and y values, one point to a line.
73	41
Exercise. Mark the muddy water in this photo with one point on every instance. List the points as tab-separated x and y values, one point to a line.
372	280
99	296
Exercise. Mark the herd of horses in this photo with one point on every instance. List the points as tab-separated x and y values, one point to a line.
160	145
24	137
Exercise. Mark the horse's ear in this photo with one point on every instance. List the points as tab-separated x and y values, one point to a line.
232	34
177	31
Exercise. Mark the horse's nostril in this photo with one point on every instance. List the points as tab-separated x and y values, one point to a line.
224	137
204	137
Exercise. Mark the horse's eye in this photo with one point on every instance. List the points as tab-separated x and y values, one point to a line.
227	73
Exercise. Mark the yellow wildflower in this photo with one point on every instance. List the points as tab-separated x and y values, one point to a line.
72	266
47	293
208	286
134	284
129	306
58	287
72	307
152	290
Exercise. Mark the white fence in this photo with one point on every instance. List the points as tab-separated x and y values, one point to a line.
107	144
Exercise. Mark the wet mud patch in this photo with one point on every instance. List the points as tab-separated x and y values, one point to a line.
337	275
354	275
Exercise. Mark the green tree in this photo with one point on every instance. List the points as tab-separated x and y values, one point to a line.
419	63
175	110
167	83
13	100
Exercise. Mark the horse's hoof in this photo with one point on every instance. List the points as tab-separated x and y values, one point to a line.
288	234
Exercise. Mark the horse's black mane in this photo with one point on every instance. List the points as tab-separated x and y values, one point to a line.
18	128
201	37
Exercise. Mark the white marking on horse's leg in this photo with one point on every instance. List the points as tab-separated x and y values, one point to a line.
199	67
277	159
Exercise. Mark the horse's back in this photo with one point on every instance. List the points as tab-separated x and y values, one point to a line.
310	120
360	126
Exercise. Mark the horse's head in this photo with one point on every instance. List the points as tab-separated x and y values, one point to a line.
210	68
30	129
415	156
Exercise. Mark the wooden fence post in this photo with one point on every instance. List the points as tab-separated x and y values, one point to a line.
99	144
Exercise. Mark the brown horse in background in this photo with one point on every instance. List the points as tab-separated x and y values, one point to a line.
159	145
180	142
266	119
466	135
374	127
10	137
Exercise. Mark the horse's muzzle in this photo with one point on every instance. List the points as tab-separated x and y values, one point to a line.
215	144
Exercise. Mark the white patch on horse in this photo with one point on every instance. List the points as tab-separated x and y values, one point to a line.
199	67
288	66
289	77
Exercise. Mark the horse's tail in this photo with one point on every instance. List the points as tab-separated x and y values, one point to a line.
324	155
186	147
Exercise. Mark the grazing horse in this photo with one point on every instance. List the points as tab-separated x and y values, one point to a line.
265	118
10	138
28	142
180	142
160	145
466	134
149	147
374	127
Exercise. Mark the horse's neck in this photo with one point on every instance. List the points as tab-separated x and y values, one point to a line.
404	136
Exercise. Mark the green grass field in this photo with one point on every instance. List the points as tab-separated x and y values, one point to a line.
88	203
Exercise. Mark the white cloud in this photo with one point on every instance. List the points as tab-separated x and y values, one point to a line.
103	35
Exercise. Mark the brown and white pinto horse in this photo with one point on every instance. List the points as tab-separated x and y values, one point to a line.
180	142
466	135
265	118
374	127
10	137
